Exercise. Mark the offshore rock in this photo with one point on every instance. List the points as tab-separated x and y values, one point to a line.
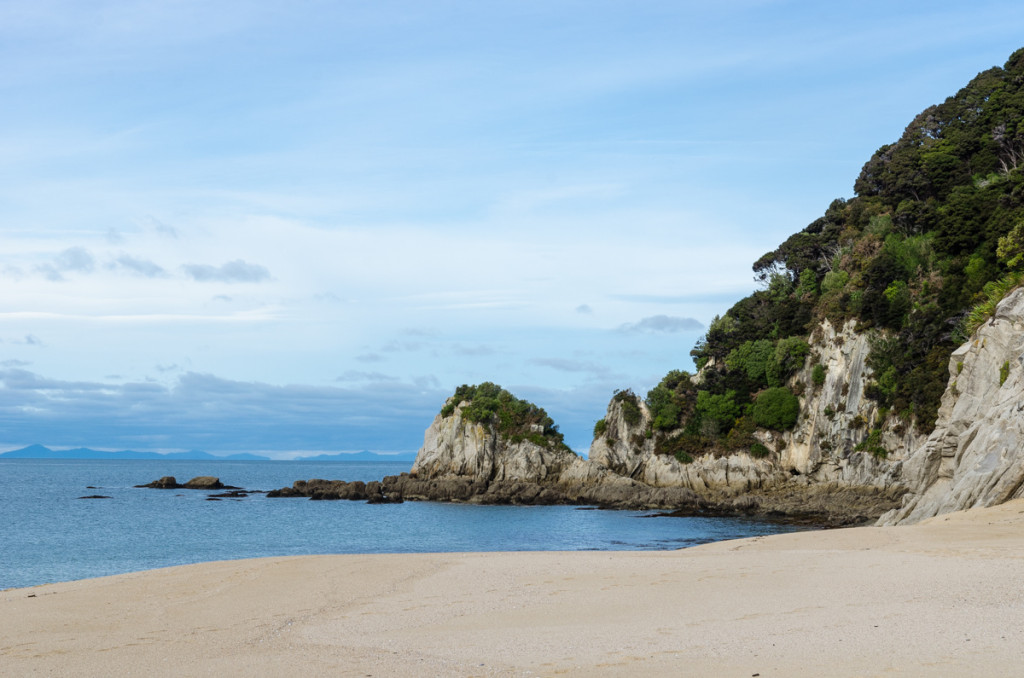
197	483
328	490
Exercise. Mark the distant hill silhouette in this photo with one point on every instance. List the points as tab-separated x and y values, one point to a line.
43	452
365	455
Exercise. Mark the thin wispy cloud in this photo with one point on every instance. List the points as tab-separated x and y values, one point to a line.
661	323
370	358
358	375
402	346
716	297
138	266
237	271
565	365
470	351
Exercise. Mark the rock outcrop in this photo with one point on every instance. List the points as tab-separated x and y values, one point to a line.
815	469
463	460
973	458
454	446
372	492
197	483
975	455
471	462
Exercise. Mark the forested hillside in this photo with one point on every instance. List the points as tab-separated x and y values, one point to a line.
933	237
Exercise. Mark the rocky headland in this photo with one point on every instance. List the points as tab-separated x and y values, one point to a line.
817	472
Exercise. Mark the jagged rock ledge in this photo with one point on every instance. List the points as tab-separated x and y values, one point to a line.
356	490
826	505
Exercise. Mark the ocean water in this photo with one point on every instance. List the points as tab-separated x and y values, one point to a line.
50	534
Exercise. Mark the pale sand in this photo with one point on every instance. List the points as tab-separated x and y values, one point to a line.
944	598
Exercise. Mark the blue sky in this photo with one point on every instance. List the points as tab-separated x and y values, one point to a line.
286	228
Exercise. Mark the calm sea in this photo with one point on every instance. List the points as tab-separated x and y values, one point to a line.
51	535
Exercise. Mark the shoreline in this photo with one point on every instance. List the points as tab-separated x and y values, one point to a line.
938	598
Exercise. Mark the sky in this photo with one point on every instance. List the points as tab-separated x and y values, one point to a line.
292	228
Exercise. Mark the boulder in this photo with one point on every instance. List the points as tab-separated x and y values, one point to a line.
204	483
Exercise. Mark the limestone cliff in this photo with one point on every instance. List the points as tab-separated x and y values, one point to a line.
454	446
835	417
464	460
627	448
975	455
973	458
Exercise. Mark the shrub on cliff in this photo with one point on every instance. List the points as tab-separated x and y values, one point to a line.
776	408
672	402
515	419
630	404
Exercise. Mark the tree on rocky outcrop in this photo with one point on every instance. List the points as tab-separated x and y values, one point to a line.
514	419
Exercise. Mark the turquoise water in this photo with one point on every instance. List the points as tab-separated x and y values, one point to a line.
50	535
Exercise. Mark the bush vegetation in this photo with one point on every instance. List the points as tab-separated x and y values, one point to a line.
932	240
515	420
777	409
759	451
918	258
630	404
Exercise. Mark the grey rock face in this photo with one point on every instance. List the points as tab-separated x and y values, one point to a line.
817	460
456	447
975	455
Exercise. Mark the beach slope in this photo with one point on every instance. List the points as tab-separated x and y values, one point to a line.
940	598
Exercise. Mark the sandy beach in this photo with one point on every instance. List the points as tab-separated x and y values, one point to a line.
942	598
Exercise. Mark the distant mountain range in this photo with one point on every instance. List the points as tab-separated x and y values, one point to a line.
42	452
